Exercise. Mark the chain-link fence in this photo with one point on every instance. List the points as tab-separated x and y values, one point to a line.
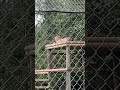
59	45
76	49
102	38
16	32
72	54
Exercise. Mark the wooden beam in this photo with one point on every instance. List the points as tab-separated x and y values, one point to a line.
40	73
63	45
42	80
46	71
51	70
49	57
42	87
68	75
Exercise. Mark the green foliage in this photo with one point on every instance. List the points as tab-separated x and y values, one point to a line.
64	24
55	23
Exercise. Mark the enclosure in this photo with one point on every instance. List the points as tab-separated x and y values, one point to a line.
87	62
60	66
71	45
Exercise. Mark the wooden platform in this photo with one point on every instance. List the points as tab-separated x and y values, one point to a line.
71	44
89	42
94	42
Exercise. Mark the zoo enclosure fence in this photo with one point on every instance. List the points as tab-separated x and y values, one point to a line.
67	18
60	66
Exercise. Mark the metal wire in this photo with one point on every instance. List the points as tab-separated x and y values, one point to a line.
58	61
54	18
61	5
98	63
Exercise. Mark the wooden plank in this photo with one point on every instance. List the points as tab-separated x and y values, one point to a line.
42	80
68	79
40	73
49	57
51	70
41	87
90	41
58	70
69	42
63	45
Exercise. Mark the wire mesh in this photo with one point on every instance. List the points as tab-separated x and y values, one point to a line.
16	31
66	25
62	63
60	5
102	38
59	63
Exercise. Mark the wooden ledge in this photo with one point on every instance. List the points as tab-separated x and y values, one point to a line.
42	80
37	72
46	71
50	70
42	87
71	44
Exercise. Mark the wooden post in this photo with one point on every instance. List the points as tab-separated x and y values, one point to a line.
68	81
49	67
